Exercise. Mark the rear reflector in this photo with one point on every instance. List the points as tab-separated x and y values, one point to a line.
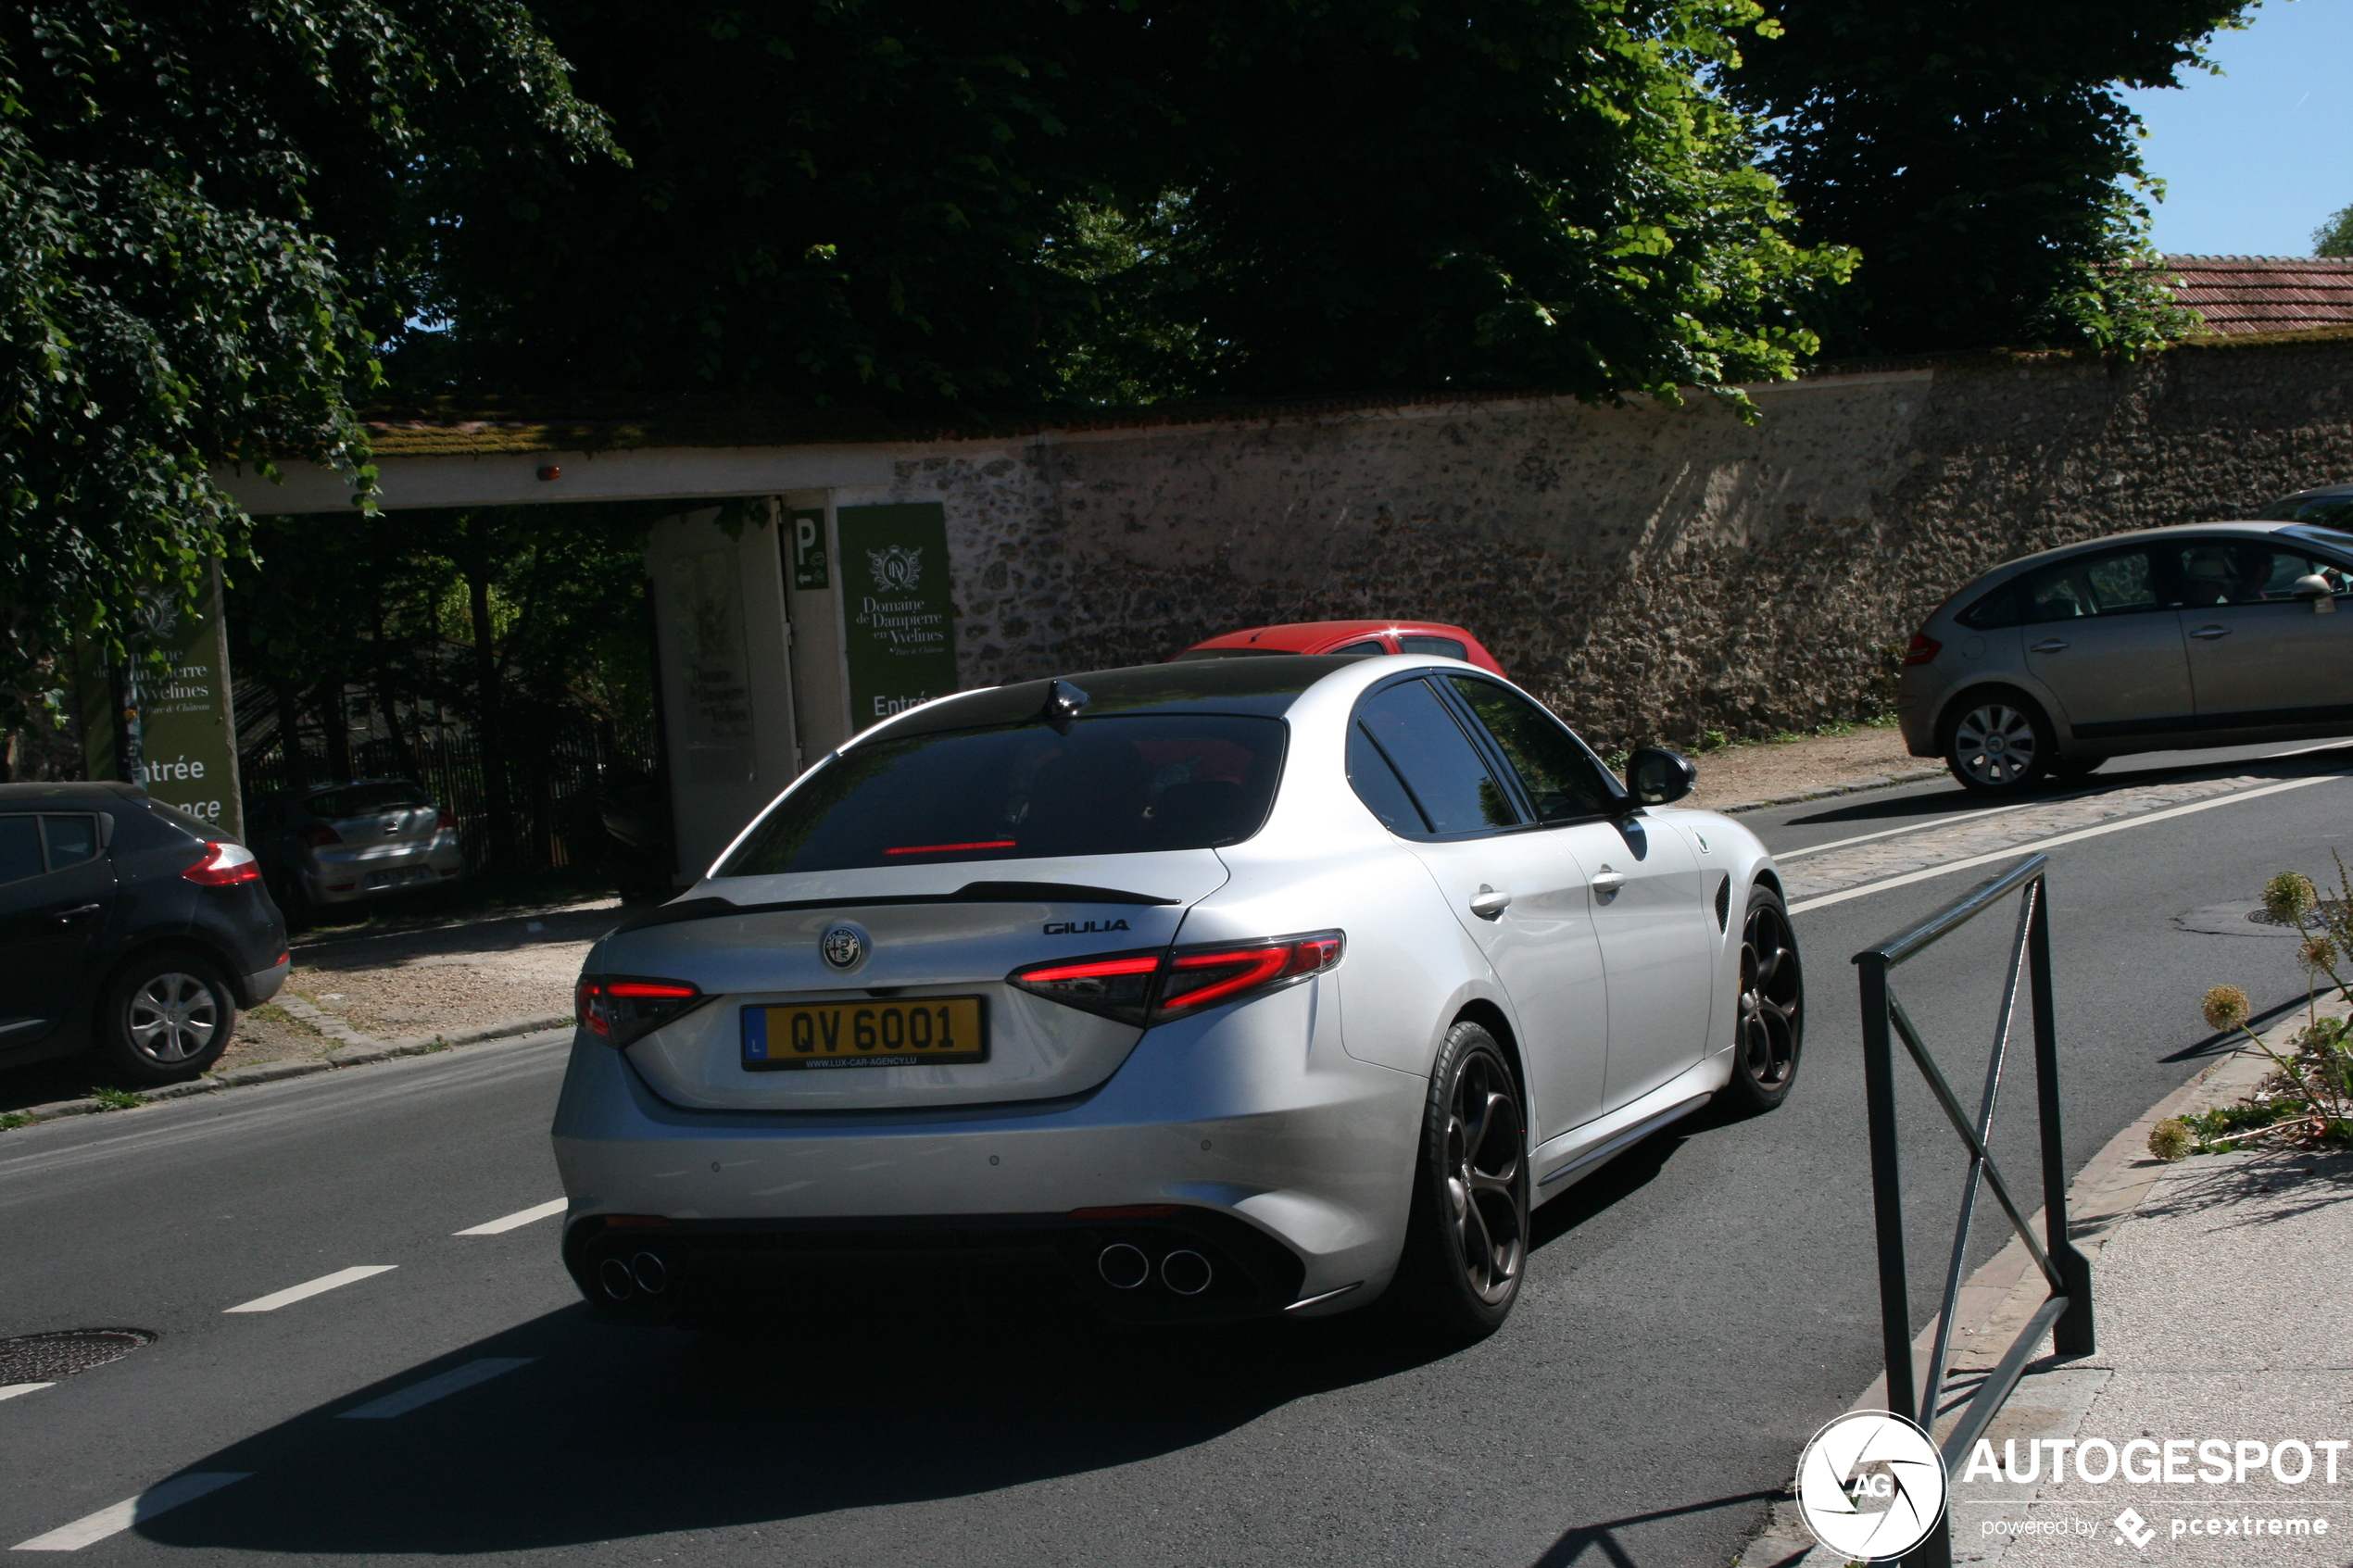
223	864
620	1010
319	835
1148	988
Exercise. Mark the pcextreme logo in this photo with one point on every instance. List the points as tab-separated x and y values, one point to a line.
1870	1484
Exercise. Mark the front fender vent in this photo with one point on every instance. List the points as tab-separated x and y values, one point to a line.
1724	904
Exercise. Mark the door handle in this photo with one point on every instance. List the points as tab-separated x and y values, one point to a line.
2048	644
2209	633
67	917
1606	883
1488	904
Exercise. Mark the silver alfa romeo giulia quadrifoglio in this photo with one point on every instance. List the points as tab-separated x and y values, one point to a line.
1232	988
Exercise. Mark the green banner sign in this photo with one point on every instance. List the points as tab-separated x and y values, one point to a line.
186	754
894	597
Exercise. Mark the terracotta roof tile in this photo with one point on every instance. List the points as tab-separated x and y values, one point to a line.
2260	294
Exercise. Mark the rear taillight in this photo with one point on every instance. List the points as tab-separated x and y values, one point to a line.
1148	988
444	822
1923	649
619	1009
319	835
223	864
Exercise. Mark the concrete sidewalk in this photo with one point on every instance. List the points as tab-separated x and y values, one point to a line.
2221	1301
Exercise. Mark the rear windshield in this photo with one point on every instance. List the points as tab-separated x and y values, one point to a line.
1112	786
361	800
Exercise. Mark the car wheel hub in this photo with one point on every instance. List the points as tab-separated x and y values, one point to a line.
1771	995
1994	745
174	1018
1486	1169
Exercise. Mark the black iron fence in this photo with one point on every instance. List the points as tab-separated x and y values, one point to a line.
554	768
2066	1313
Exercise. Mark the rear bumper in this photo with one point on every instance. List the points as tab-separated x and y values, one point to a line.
1309	1151
348	877
262	985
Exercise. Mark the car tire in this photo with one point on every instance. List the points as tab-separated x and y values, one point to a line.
2076	767
1998	743
164	1017
1466	1231
1769	1022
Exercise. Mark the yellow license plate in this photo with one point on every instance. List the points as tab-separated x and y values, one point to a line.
913	1033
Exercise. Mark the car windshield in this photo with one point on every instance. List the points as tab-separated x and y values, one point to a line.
2332	510
362	800
1113	786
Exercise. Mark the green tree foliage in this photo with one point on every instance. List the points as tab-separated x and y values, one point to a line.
207	211
939	208
2335	236
1979	157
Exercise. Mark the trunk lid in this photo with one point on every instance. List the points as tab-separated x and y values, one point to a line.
928	934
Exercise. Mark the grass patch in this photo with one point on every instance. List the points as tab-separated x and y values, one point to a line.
117	1099
270	1012
11	1120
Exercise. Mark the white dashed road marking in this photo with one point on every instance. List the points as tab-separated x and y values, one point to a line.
517	1220
10	1390
131	1511
433	1389
324	1282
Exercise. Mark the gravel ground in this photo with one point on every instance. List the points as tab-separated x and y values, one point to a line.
1767	768
452	977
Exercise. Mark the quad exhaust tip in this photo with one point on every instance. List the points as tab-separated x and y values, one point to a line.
645	1274
1125	1266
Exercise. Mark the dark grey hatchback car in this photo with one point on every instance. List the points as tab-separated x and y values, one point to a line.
127	929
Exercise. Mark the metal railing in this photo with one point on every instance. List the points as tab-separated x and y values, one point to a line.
2066	1313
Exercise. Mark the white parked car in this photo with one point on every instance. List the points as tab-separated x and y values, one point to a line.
1254	987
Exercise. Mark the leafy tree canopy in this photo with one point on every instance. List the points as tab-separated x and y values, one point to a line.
2335	236
1977	155
942	208
207	213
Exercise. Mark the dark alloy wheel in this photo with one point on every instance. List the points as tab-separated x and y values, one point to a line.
1467	1245
1772	1007
165	1017
1999	745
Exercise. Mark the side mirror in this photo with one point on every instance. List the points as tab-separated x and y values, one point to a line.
2315	587
1656	776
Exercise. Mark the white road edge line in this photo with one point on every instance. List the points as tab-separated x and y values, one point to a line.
2041	844
323	1283
1997	811
517	1220
406	1400
131	1511
10	1390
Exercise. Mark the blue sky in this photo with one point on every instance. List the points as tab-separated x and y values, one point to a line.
2254	160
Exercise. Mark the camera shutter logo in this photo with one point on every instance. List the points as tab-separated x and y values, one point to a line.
842	946
1870	1485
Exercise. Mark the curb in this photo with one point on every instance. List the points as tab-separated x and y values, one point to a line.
358	1050
1853	786
1995	1302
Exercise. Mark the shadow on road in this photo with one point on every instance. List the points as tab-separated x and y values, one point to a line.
1599	1543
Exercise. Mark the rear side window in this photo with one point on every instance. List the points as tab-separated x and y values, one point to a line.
1412	766
2118	582
365	801
1561	777
70	840
1112	786
19	849
1442	648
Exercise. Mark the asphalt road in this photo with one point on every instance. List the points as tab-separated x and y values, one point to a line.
1692	1313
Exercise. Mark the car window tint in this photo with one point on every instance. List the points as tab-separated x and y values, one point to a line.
2233	572
19	849
1995	610
1368	646
365	801
1378	785
71	840
1444	647
2119	583
1440	768
1561	777
1112	785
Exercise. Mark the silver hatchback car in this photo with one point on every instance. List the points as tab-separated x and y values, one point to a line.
1222	989
2203	635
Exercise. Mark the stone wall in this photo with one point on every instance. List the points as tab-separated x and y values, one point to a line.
1652	572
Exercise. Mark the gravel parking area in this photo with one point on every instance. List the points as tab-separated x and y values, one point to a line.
446	978
1767	770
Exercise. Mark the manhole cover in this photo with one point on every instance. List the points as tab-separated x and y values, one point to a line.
44	1358
2329	909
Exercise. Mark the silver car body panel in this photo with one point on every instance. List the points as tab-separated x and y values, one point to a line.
1299	1111
2171	678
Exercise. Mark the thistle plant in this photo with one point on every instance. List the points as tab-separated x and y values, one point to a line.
2311	1095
